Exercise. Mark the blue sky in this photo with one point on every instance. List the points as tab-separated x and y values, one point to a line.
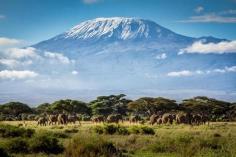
36	20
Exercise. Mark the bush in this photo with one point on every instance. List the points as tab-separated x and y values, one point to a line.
71	130
147	130
17	145
91	146
111	129
45	143
13	131
142	130
99	129
3	153
59	135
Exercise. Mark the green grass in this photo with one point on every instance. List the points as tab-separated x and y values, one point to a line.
214	140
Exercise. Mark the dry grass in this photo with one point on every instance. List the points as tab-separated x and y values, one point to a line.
215	139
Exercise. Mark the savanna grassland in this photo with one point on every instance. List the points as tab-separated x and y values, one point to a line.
218	139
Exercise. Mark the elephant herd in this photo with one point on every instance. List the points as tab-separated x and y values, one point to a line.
62	119
166	118
179	118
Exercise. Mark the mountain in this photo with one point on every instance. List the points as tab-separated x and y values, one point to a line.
135	56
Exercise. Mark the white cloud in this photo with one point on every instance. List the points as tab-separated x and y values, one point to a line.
199	9
58	57
226	69
210	18
8	41
74	72
91	1
185	73
14	63
206	48
161	56
18	53
13	74
180	73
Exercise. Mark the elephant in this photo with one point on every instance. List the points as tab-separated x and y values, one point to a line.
52	119
184	118
73	119
153	119
159	121
98	119
196	119
62	119
114	118
167	118
42	121
134	119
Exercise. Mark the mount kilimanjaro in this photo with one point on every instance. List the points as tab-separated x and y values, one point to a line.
134	56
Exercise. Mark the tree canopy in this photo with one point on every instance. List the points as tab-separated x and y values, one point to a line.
149	105
112	104
15	108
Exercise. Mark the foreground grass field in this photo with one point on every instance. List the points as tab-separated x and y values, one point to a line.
136	140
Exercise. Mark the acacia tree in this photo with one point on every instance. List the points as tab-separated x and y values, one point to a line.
206	106
15	108
149	105
68	105
112	104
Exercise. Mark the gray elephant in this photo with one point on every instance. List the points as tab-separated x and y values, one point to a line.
62	119
114	118
153	119
183	118
73	119
98	119
167	118
134	119
52	119
42	121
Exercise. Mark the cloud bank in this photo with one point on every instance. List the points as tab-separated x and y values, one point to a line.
206	48
8	41
13	74
185	73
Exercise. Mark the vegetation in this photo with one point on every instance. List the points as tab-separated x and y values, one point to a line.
113	126
118	105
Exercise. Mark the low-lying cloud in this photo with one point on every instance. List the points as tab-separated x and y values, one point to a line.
161	56
58	57
19	53
207	48
9	41
186	73
14	74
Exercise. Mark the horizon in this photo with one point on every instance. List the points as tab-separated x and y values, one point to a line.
81	49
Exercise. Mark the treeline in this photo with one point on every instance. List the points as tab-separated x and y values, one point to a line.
216	110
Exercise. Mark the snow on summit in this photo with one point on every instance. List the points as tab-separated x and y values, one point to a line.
117	27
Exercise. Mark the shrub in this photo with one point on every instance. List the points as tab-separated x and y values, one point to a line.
142	130
71	130
134	130
59	135
147	130
45	143
111	129
91	146
13	131
17	145
98	129
3	153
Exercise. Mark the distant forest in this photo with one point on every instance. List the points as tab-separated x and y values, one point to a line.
216	110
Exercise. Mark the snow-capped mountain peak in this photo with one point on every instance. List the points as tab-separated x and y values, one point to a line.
117	27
